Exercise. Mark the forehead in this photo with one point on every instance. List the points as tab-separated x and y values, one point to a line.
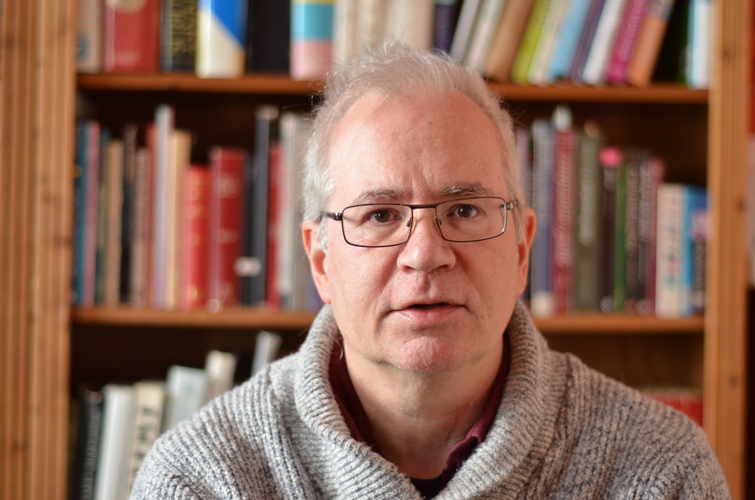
417	144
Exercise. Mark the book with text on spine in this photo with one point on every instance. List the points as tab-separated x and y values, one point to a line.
196	236
221	38
131	36
179	36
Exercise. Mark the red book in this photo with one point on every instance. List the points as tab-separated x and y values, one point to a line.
563	223
196	235
131	36
272	292
226	204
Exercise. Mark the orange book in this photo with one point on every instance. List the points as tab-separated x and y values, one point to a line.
648	44
507	38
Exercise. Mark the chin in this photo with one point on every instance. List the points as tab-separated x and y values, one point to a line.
430	355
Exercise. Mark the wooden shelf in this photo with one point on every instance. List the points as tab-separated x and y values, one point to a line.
259	318
283	84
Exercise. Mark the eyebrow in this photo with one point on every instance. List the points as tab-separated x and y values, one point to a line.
401	196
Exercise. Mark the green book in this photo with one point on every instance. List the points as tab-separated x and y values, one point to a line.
619	247
520	71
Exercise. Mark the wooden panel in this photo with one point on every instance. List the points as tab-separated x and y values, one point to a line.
725	339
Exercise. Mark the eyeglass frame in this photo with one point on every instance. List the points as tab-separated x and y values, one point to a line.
338	216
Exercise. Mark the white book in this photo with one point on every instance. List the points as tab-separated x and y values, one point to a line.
464	28
701	23
89	37
115	445
265	350
602	45
185	392
669	240
219	367
411	22
148	415
113	247
164	126
481	40
371	18
140	226
546	43
344	31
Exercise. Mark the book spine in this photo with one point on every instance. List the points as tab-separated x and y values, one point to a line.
89	37
698	237
180	145
631	238
619	241
371	20
445	17
140	225
609	161
269	36
588	264
127	223
274	228
545	44
344	30
507	39
651	175
567	40
562	225
700	41
526	51
185	391
311	38
648	44
88	445
668	268
411	23
464	29
131	36
482	38
117	435
113	247
162	196
102	219
226	181
150	211
179	35
91	209
542	174
150	399
586	40
221	38
79	216
196	237
625	40
605	36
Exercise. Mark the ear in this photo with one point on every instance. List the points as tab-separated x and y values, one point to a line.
316	256
529	223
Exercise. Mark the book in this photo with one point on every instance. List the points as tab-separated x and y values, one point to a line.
526	50
687	400
585	40
599	54
567	39
699	43
114	211
196	237
265	350
138	277
148	416
652	172
625	40
481	39
100	231
275	211
185	391
610	158
545	43
648	44
90	430
311	38
446	15
226	198
411	23
131	36
221	38
162	197
89	36
632	271
541	286
371	19
589	252
344	30
256	189
178	38
694	222
698	234
563	231
464	29
507	38
130	132
619	239
268	36
118	420
673	56
180	159
219	368
523	142
668	296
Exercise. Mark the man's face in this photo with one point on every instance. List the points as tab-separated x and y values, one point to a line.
428	305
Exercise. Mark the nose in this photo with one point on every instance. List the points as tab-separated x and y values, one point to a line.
426	249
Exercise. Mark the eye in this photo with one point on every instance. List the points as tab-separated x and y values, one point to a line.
464	211
381	216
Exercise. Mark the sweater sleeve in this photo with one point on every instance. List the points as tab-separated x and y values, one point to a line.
694	473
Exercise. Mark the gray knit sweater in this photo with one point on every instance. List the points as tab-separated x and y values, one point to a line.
562	431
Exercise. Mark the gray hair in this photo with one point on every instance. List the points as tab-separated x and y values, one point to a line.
388	69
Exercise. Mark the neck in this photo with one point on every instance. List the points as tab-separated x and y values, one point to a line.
417	418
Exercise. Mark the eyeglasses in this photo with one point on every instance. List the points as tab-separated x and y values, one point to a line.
391	224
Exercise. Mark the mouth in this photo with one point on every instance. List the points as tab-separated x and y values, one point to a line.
428	306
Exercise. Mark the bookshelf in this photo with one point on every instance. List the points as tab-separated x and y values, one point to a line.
45	344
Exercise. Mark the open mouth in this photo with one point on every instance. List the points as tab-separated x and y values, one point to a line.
428	306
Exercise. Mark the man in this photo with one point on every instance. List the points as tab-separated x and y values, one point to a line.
423	376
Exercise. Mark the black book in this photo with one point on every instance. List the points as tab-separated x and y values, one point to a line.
89	445
127	223
268	36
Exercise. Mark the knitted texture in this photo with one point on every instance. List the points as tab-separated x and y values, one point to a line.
562	431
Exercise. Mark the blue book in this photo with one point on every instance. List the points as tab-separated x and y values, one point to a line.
542	301
695	205
446	16
221	38
567	40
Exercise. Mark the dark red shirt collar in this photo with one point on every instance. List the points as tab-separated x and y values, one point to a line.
361	430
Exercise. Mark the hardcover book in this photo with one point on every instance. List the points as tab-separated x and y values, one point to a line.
179	36
131	36
311	38
481	39
648	44
268	36
411	23
221	38
89	37
507	38
130	132
148	417
115	445
114	211
445	18
196	244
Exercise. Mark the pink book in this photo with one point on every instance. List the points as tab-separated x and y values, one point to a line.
625	41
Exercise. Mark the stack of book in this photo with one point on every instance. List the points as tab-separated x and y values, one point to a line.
153	229
527	41
611	235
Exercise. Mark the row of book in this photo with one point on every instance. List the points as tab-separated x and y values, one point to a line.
151	229
611	235
115	426
527	41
